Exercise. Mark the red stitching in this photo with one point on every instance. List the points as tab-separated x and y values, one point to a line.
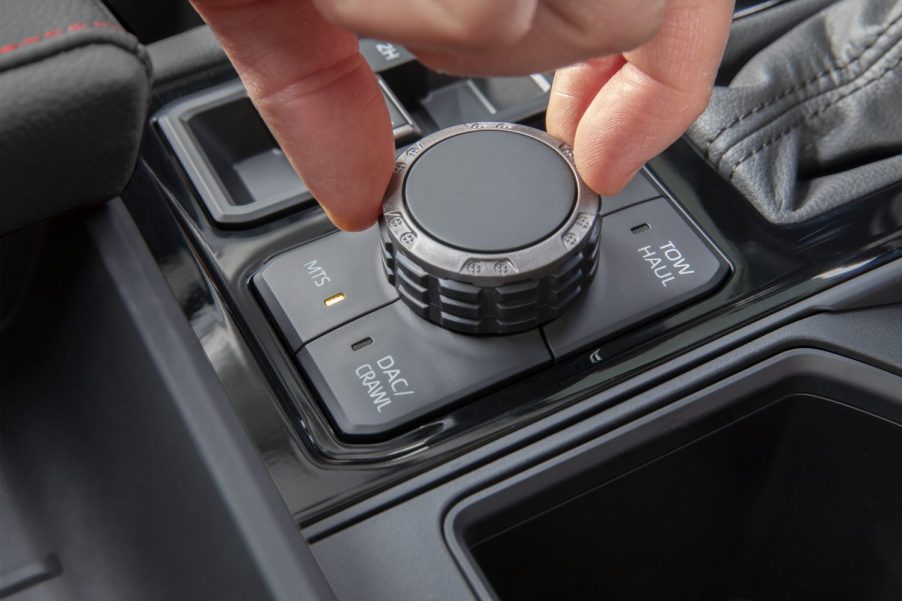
52	33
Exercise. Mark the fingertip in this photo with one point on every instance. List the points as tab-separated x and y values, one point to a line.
336	132
573	90
612	143
652	98
357	219
327	111
352	193
607	176
565	107
558	129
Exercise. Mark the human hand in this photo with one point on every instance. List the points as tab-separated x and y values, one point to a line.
642	71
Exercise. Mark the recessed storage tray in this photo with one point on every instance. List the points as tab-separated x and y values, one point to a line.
232	159
783	482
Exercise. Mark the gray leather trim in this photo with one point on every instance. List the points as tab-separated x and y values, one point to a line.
750	34
812	121
74	91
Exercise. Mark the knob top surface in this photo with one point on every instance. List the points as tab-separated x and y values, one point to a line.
490	191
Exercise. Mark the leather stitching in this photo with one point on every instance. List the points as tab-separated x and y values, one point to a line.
799	122
58	31
78	35
799	105
838	68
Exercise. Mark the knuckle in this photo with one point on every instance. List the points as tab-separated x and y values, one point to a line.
484	25
644	22
617	26
327	9
337	12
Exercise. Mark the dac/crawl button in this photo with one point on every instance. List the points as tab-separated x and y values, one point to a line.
388	369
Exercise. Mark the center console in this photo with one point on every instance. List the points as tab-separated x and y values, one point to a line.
511	387
491	261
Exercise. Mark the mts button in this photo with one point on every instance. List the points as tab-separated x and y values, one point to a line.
317	287
386	370
651	261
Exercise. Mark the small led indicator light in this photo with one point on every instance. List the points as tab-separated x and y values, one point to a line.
335	299
362	344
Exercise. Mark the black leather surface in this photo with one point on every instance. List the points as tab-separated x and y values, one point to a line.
814	119
184	54
74	90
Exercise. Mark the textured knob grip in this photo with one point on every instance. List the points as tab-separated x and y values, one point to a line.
487	228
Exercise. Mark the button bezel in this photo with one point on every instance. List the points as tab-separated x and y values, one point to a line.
487	269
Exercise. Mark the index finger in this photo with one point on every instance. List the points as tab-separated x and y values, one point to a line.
318	96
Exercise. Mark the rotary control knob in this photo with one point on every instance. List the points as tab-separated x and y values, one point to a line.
488	229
